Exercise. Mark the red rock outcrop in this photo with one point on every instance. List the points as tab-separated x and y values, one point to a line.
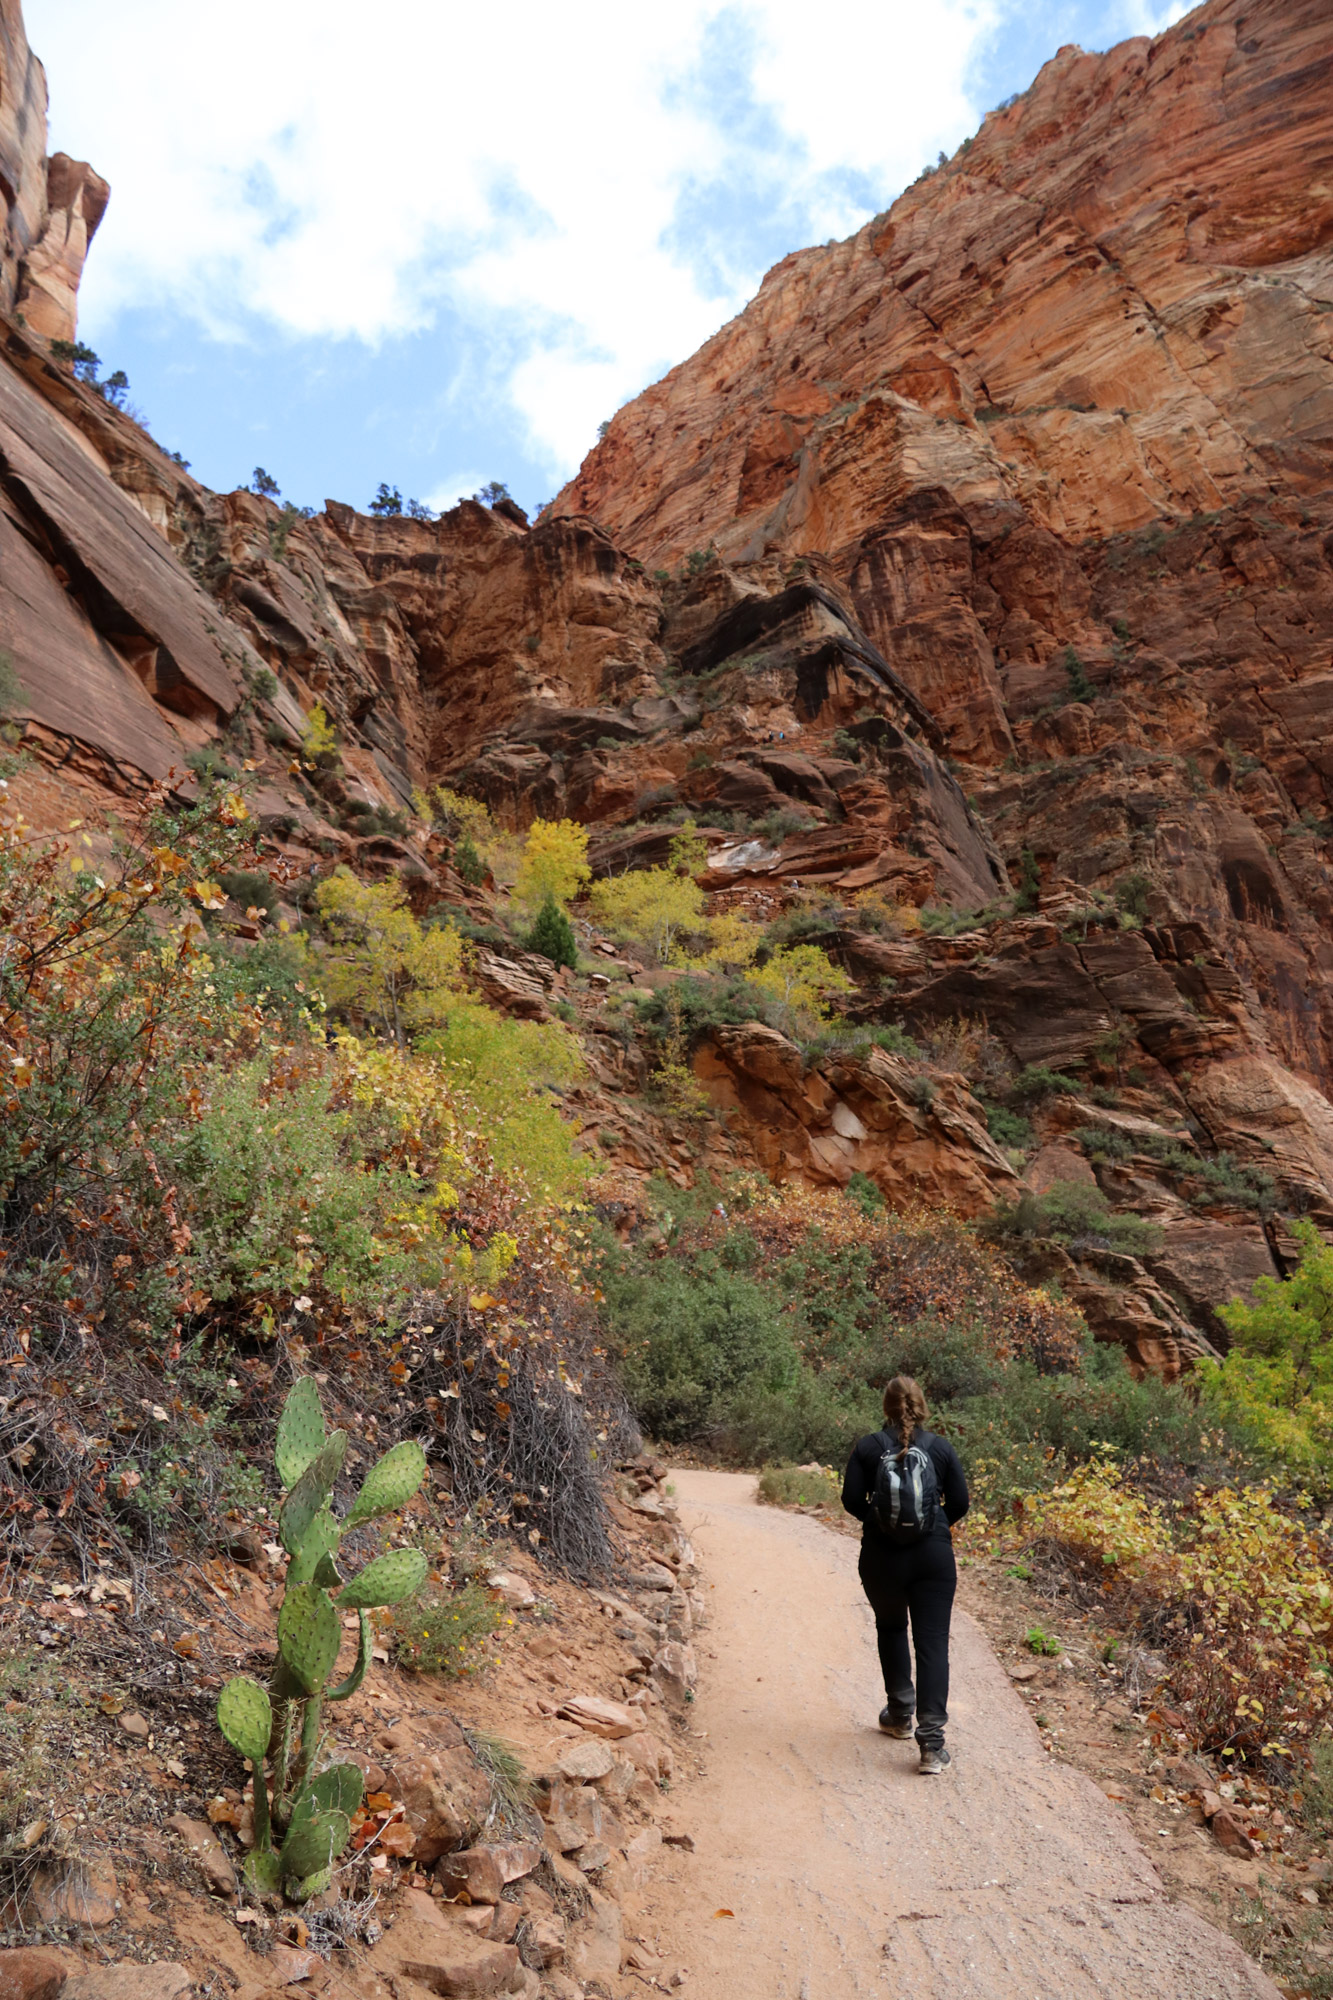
52	207
996	552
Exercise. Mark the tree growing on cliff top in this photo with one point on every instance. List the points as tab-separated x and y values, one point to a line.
388	500
554	863
264	484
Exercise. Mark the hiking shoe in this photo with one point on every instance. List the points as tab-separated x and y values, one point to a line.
893	1726
934	1761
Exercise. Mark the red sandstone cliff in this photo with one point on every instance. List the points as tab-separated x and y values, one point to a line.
1021	544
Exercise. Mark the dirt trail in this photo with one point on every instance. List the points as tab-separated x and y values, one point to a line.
848	1872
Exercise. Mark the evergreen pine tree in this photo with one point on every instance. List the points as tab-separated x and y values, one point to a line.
553	935
468	861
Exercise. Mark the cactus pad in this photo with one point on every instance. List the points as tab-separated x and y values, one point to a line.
245	1717
308	1636
313	1843
390	1484
317	1547
311	1492
387	1580
300	1431
262	1871
301	1889
339	1789
349	1687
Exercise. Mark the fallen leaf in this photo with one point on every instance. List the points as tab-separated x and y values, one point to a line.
724	1913
175	1768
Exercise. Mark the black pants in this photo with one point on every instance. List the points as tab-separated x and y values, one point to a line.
916	1581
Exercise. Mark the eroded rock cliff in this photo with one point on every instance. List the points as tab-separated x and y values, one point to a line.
983	566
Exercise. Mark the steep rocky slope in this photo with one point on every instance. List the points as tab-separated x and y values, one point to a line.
983	565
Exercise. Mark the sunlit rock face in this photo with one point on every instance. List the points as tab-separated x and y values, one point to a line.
991	550
51	207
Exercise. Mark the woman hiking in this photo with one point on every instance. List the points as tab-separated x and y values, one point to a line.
906	1487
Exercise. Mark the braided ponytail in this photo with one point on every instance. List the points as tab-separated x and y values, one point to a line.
904	1409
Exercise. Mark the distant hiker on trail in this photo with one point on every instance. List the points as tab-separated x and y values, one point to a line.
906	1487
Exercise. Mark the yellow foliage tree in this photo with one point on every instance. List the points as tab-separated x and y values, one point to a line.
732	942
508	1070
320	736
803	978
376	959
651	905
554	863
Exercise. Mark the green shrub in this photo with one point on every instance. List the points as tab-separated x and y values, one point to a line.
864	1193
444	1631
251	889
1038	1641
210	764
552	935
1076	1213
1033	1083
13	694
1131	895
1008	1128
799	1486
1080	687
697	1338
1028	894
1278	1376
282	1194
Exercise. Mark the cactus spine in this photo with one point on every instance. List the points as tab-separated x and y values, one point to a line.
314	1807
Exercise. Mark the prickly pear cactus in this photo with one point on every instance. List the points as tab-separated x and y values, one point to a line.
310	1495
313	1843
308	1635
300	1431
338	1789
349	1687
262	1871
387	1580
319	1545
390	1484
245	1717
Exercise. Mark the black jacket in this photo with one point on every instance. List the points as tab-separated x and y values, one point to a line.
859	1479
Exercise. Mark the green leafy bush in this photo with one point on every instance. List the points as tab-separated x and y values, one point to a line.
552	935
697	1340
443	1631
1033	1083
1278	1377
1077	1213
1008	1128
800	1486
468	861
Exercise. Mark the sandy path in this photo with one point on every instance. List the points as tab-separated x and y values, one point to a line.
848	1872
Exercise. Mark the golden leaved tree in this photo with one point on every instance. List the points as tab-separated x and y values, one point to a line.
376	960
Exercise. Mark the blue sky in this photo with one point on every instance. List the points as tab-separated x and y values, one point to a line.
440	252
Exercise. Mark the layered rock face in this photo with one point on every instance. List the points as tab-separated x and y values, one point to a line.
51	207
982	569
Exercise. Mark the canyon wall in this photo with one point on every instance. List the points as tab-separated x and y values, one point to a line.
972	590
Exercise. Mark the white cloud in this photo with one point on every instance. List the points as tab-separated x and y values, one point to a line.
304	167
455	486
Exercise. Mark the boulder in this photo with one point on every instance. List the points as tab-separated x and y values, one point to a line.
31	1973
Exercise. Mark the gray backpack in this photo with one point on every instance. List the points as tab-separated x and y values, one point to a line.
905	1504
